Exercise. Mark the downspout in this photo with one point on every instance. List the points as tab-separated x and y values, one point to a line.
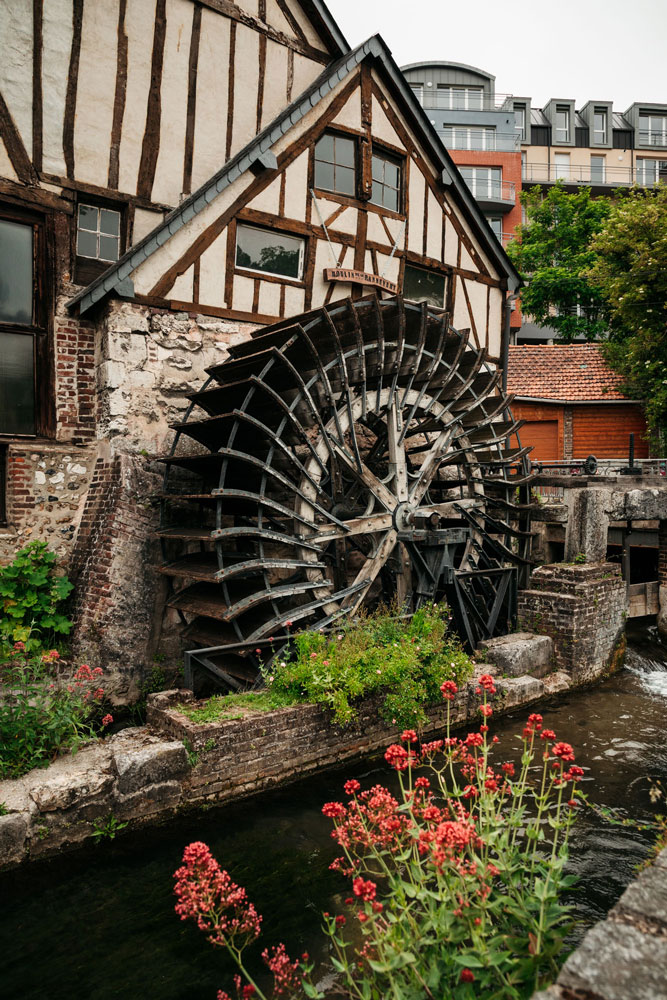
505	350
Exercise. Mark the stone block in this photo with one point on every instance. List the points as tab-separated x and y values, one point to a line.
646	897
555	683
661	860
617	962
514	691
73	780
13	833
520	654
154	763
158	798
587	524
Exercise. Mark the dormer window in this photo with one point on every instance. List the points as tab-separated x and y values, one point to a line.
600	125
335	164
562	123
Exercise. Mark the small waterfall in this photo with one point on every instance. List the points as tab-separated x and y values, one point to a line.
647	659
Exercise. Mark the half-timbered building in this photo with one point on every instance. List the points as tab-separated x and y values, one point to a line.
176	176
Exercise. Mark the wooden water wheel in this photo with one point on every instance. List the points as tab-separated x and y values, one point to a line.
363	452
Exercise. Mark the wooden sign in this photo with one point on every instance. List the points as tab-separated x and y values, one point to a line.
359	278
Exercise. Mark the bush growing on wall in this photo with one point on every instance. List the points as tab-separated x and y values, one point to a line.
30	593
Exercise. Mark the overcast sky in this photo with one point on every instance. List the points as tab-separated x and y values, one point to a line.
605	50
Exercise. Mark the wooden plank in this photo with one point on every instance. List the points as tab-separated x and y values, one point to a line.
192	100
239	16
37	99
14	145
72	85
119	97
260	81
230	89
151	142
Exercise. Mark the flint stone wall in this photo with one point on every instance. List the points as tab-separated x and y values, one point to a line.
144	775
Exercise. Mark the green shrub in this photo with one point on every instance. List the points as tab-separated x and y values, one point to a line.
30	592
45	710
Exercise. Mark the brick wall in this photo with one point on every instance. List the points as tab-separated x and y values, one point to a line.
583	609
75	394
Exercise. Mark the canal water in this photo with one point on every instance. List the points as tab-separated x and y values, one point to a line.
100	923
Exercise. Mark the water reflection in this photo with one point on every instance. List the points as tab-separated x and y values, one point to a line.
100	923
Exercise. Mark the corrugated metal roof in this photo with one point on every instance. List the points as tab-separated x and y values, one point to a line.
117	277
537	117
573	372
618	121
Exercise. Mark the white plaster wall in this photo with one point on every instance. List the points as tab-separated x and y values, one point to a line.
244	289
477	295
181	290
268	200
294	300
451	243
16	36
461	318
350	113
246	61
212	84
269	298
305	71
382	127
495	322
144	222
323	259
434	229
168	183
6	168
296	186
95	92
416	207
57	27
212	266
138	15
275	82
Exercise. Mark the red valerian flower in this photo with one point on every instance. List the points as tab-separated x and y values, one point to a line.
574	773
422	783
364	889
409	736
474	740
341	920
107	720
486	711
334	810
564	751
508	768
400	758
286	978
467	976
449	689
351	786
547	734
486	682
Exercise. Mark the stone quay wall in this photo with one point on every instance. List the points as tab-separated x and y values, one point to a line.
144	775
625	956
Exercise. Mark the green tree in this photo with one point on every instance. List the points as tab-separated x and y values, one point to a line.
553	255
630	271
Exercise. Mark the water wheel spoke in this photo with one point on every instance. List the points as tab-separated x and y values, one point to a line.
356	526
367	574
429	466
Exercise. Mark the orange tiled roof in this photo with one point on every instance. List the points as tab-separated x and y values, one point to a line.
576	372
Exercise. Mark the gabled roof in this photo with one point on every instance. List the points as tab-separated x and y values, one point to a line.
574	373
319	14
116	278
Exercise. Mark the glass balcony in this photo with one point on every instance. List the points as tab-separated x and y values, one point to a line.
480	139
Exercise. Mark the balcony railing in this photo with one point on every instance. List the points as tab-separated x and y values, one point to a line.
480	139
436	99
492	190
652	137
544	173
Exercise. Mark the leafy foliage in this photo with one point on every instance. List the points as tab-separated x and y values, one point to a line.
403	661
553	255
43	710
30	592
629	269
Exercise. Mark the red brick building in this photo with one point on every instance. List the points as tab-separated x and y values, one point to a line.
571	403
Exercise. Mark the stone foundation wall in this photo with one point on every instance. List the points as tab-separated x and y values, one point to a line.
144	775
583	609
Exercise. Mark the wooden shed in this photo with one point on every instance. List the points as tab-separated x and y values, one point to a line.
571	403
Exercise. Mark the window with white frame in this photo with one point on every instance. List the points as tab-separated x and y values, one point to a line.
562	166
520	120
496	224
600	125
597	169
524	165
484	182
335	164
459	98
562	124
98	233
269	251
650	171
465	137
386	174
653	129
418	90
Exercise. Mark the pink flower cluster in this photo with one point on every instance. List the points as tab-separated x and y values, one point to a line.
207	895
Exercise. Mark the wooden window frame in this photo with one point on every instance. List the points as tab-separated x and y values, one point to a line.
377	149
250	272
40	329
356	168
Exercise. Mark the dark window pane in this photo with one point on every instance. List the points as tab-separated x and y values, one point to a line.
261	250
17	390
391	174
108	247
378	168
345	152
424	286
376	196
324	175
88	217
109	222
86	244
16	288
344	180
324	148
